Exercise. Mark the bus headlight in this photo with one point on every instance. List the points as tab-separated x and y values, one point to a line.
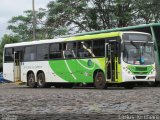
151	78
127	70
153	70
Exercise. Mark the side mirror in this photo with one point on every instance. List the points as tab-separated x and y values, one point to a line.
155	48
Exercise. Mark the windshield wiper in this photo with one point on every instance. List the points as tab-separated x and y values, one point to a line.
134	44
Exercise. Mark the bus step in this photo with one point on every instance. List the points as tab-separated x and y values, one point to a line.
19	82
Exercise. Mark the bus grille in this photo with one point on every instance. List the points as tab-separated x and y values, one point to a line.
140	77
141	68
140	72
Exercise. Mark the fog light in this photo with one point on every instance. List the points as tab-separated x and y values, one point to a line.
151	78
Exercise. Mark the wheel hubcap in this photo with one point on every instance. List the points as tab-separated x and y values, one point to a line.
99	79
31	80
40	81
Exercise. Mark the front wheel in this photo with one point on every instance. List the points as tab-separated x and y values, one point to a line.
99	80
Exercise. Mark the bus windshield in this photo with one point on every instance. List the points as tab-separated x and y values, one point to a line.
138	53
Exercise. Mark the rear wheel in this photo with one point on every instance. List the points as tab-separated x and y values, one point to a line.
99	80
31	80
41	83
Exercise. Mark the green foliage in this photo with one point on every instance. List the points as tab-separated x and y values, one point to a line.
65	13
148	11
71	16
90	15
6	39
23	25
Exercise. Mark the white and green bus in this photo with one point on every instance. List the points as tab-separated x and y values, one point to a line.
122	58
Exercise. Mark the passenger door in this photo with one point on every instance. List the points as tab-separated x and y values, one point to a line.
17	66
111	55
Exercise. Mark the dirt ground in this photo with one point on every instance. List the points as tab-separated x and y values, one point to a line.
21	102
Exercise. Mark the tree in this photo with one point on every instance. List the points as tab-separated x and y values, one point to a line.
72	16
79	16
67	14
6	39
90	15
148	11
22	25
124	12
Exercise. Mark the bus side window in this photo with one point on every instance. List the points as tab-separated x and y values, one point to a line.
99	47
42	52
70	50
30	53
55	51
20	53
9	55
84	49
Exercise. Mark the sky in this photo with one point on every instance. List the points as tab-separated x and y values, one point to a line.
10	8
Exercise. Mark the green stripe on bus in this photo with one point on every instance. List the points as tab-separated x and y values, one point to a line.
95	36
77	70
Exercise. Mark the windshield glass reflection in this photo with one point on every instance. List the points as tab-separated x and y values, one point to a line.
138	53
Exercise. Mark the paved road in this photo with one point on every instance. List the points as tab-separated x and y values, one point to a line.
83	102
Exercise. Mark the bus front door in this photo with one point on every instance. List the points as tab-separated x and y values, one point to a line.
111	61
17	66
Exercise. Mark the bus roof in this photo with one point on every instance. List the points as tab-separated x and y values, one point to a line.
84	37
98	35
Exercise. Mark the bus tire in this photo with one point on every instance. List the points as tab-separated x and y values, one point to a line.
41	82
31	80
99	80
